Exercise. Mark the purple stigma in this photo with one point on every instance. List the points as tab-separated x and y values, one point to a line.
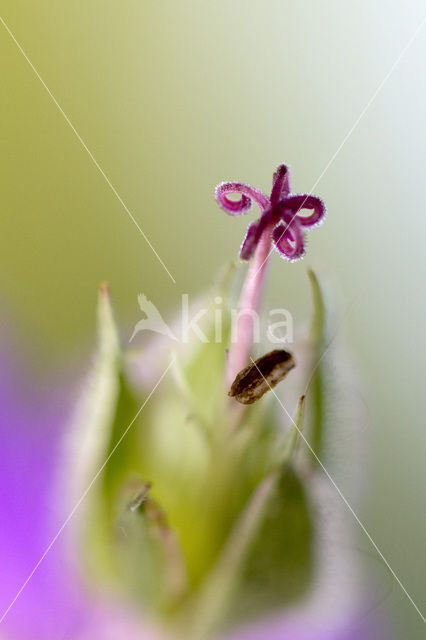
281	212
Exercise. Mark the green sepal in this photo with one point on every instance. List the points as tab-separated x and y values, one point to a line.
271	537
317	385
149	558
100	455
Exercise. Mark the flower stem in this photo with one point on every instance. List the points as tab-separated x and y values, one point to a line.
248	306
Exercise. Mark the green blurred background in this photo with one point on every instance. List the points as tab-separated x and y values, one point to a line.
174	97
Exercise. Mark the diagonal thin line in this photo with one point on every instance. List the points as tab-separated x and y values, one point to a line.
353	127
78	503
343	498
84	145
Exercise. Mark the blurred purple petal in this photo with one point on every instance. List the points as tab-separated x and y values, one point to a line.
29	440
53	604
367	628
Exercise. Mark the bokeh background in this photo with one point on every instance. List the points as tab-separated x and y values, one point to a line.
174	97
